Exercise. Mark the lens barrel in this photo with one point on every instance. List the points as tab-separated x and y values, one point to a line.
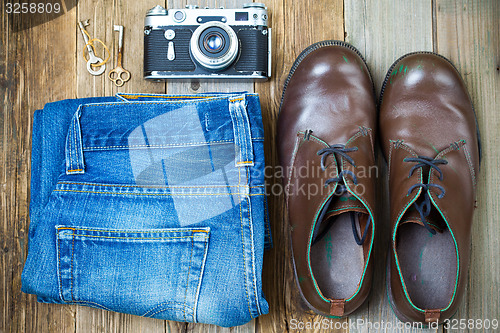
214	45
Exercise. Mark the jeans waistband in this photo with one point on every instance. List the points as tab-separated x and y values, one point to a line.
213	110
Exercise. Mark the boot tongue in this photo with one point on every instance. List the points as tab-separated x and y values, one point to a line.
434	220
343	204
336	206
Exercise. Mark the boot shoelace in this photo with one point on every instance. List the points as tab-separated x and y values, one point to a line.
341	187
424	208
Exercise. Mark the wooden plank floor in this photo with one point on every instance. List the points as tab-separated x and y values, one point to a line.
43	64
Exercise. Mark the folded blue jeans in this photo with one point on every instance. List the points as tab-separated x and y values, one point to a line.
152	205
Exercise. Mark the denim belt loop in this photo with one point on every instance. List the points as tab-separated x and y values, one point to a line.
242	133
74	146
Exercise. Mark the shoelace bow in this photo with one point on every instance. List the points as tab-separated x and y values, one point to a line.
341	187
424	208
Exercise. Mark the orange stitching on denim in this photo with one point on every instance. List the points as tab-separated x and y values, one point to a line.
253	247
59	268
253	263
69	148
166	102
72	260
68	143
237	99
205	231
131	95
161	194
165	145
243	246
141	103
245	162
168	145
132	231
133	238
156	186
74	139
165	96
187	279
75	170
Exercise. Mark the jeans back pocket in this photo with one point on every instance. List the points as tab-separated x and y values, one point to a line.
154	273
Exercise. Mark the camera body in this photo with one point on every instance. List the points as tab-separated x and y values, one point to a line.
207	43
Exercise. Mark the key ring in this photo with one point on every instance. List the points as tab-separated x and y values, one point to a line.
119	76
91	44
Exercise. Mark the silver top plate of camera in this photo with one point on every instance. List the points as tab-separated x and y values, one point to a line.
252	14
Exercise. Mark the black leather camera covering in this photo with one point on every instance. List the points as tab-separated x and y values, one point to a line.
252	54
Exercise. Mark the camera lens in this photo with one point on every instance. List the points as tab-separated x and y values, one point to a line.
214	45
213	42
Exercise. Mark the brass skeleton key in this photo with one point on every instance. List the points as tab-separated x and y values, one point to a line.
119	75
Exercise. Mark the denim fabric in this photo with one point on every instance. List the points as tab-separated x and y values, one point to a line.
151	205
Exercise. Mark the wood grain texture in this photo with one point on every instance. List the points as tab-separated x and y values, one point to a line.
44	64
468	33
275	259
385	30
103	15
26	68
131	17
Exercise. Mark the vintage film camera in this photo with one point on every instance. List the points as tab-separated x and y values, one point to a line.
207	43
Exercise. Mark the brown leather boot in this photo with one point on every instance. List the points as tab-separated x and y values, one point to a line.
431	142
326	132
